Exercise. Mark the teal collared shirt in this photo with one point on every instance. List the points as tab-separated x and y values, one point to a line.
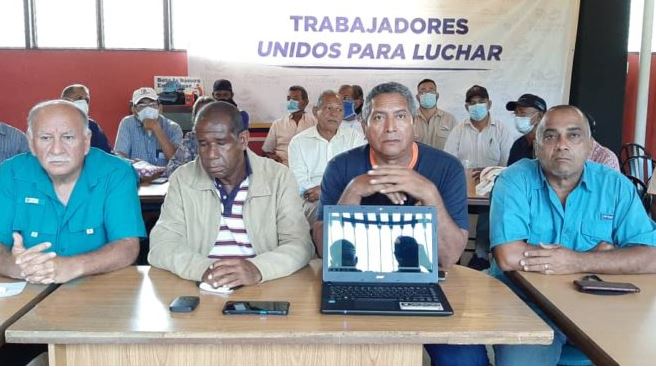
603	206
103	207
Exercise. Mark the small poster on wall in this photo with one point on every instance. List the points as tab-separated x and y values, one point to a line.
178	89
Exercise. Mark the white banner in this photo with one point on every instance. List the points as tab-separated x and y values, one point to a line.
510	47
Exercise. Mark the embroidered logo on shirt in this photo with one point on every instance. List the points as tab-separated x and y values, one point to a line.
31	200
34	234
607	217
89	230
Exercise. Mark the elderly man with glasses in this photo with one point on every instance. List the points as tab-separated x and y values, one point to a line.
147	135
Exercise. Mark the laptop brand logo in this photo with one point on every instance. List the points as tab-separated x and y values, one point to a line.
380	277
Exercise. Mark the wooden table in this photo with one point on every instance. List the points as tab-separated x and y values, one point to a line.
611	330
122	318
153	193
475	203
12	308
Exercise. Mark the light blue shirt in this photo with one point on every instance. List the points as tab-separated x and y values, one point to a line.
12	142
103	207
133	140
604	206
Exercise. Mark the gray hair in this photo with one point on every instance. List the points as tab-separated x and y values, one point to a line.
71	88
37	109
539	131
325	94
385	88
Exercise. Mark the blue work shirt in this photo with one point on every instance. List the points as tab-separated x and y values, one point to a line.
135	142
103	207
439	167
604	206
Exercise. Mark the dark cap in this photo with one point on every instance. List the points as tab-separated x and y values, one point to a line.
528	100
222	84
476	91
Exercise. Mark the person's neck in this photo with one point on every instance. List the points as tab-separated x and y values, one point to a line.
235	179
403	159
297	116
326	132
564	185
530	137
428	113
63	186
480	125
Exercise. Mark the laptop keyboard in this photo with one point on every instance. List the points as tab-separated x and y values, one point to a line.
401	293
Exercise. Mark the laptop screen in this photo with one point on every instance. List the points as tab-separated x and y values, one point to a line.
370	241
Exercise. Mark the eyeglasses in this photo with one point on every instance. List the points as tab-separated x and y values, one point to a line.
147	104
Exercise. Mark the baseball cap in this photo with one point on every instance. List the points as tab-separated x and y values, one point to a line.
142	93
528	100
222	84
476	91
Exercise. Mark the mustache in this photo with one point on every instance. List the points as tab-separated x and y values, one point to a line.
58	159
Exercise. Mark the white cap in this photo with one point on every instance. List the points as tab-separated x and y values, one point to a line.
142	93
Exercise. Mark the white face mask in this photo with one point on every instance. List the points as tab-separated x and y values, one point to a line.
523	124
82	105
148	113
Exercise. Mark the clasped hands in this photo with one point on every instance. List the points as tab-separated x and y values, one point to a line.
232	273
35	265
556	259
395	182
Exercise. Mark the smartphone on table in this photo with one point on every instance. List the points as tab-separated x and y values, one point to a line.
256	308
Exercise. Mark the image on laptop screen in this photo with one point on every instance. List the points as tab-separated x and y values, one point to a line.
380	242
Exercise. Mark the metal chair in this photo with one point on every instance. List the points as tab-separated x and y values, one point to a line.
629	150
641	189
640	167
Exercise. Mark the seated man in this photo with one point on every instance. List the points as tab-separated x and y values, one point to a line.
276	143
146	135
528	110
432	125
79	95
311	149
560	214
230	217
12	142
394	170
67	210
342	256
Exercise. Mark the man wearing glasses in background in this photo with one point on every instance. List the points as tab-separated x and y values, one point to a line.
146	134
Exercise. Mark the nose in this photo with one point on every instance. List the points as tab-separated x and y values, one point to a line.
57	146
214	152
389	125
562	143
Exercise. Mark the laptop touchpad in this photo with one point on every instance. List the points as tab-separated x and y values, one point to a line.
376	304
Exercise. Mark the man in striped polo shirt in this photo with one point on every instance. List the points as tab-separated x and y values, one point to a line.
230	217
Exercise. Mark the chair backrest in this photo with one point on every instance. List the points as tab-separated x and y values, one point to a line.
640	167
629	150
641	189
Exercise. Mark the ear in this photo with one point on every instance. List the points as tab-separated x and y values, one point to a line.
315	111
243	138
87	142
417	96
489	104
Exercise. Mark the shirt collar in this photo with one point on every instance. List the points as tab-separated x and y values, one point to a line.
491	123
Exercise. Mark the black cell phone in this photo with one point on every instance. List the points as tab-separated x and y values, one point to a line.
594	284
184	304
256	308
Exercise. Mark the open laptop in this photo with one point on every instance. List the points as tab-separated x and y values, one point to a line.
381	260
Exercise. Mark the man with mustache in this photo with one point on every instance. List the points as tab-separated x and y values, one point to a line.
68	210
230	217
560	215
311	149
395	170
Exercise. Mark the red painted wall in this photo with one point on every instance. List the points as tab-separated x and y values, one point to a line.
630	97
31	76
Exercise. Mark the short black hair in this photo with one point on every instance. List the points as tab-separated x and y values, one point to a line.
298	88
237	124
427	81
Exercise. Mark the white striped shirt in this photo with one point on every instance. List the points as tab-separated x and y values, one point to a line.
12	142
232	240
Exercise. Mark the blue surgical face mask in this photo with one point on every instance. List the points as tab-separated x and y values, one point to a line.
149	113
523	124
292	106
428	100
349	110
478	111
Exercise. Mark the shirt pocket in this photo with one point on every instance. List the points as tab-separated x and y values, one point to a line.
86	233
31	222
595	230
492	152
